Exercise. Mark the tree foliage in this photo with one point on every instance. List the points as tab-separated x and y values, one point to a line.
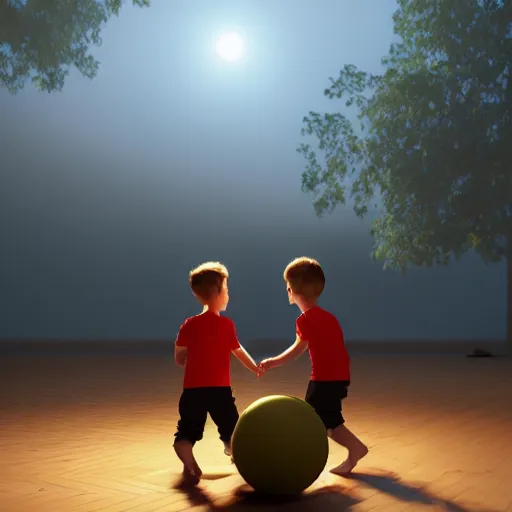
433	141
42	40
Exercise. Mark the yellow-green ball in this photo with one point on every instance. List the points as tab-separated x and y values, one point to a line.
280	445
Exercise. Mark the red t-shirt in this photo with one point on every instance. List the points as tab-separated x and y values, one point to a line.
209	339
326	344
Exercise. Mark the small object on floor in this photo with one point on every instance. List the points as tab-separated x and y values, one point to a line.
478	352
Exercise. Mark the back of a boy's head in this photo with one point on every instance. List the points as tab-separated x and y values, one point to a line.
305	277
207	279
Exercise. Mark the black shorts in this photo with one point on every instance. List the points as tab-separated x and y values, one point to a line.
325	397
194	406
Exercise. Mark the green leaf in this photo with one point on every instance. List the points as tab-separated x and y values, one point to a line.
433	136
42	40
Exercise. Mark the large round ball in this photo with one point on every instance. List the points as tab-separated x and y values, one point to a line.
280	445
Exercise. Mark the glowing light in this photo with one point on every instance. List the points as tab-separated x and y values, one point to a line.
230	46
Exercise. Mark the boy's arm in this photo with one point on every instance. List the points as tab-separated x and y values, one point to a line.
245	358
180	355
181	344
291	353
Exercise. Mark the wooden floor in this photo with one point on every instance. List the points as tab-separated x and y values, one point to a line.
95	434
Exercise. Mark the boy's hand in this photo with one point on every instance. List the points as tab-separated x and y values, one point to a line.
266	364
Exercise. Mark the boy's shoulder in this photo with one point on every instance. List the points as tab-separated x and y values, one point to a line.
321	321
205	318
316	313
320	317
328	314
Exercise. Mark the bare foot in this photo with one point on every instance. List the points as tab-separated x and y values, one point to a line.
346	467
191	468
188	479
343	469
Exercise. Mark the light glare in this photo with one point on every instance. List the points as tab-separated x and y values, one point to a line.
230	46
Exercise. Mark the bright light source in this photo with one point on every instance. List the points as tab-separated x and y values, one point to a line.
230	46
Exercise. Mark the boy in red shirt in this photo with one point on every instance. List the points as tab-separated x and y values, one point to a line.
203	347
320	332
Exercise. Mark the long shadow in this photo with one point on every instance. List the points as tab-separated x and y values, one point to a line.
196	496
331	498
390	483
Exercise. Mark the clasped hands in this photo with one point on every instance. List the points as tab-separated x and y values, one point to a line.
265	365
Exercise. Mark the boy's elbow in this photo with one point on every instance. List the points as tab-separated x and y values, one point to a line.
179	359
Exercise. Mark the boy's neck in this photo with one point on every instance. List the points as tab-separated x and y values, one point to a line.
210	309
307	305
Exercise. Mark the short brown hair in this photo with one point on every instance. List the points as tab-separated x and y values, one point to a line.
305	276
207	279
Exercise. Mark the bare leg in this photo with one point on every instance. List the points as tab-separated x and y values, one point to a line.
228	451
356	449
191	471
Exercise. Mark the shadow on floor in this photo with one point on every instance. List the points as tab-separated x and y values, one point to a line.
390	484
332	498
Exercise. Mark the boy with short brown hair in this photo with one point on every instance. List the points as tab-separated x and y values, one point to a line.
203	347
320	332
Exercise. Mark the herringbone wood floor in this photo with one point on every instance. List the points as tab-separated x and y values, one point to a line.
94	434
